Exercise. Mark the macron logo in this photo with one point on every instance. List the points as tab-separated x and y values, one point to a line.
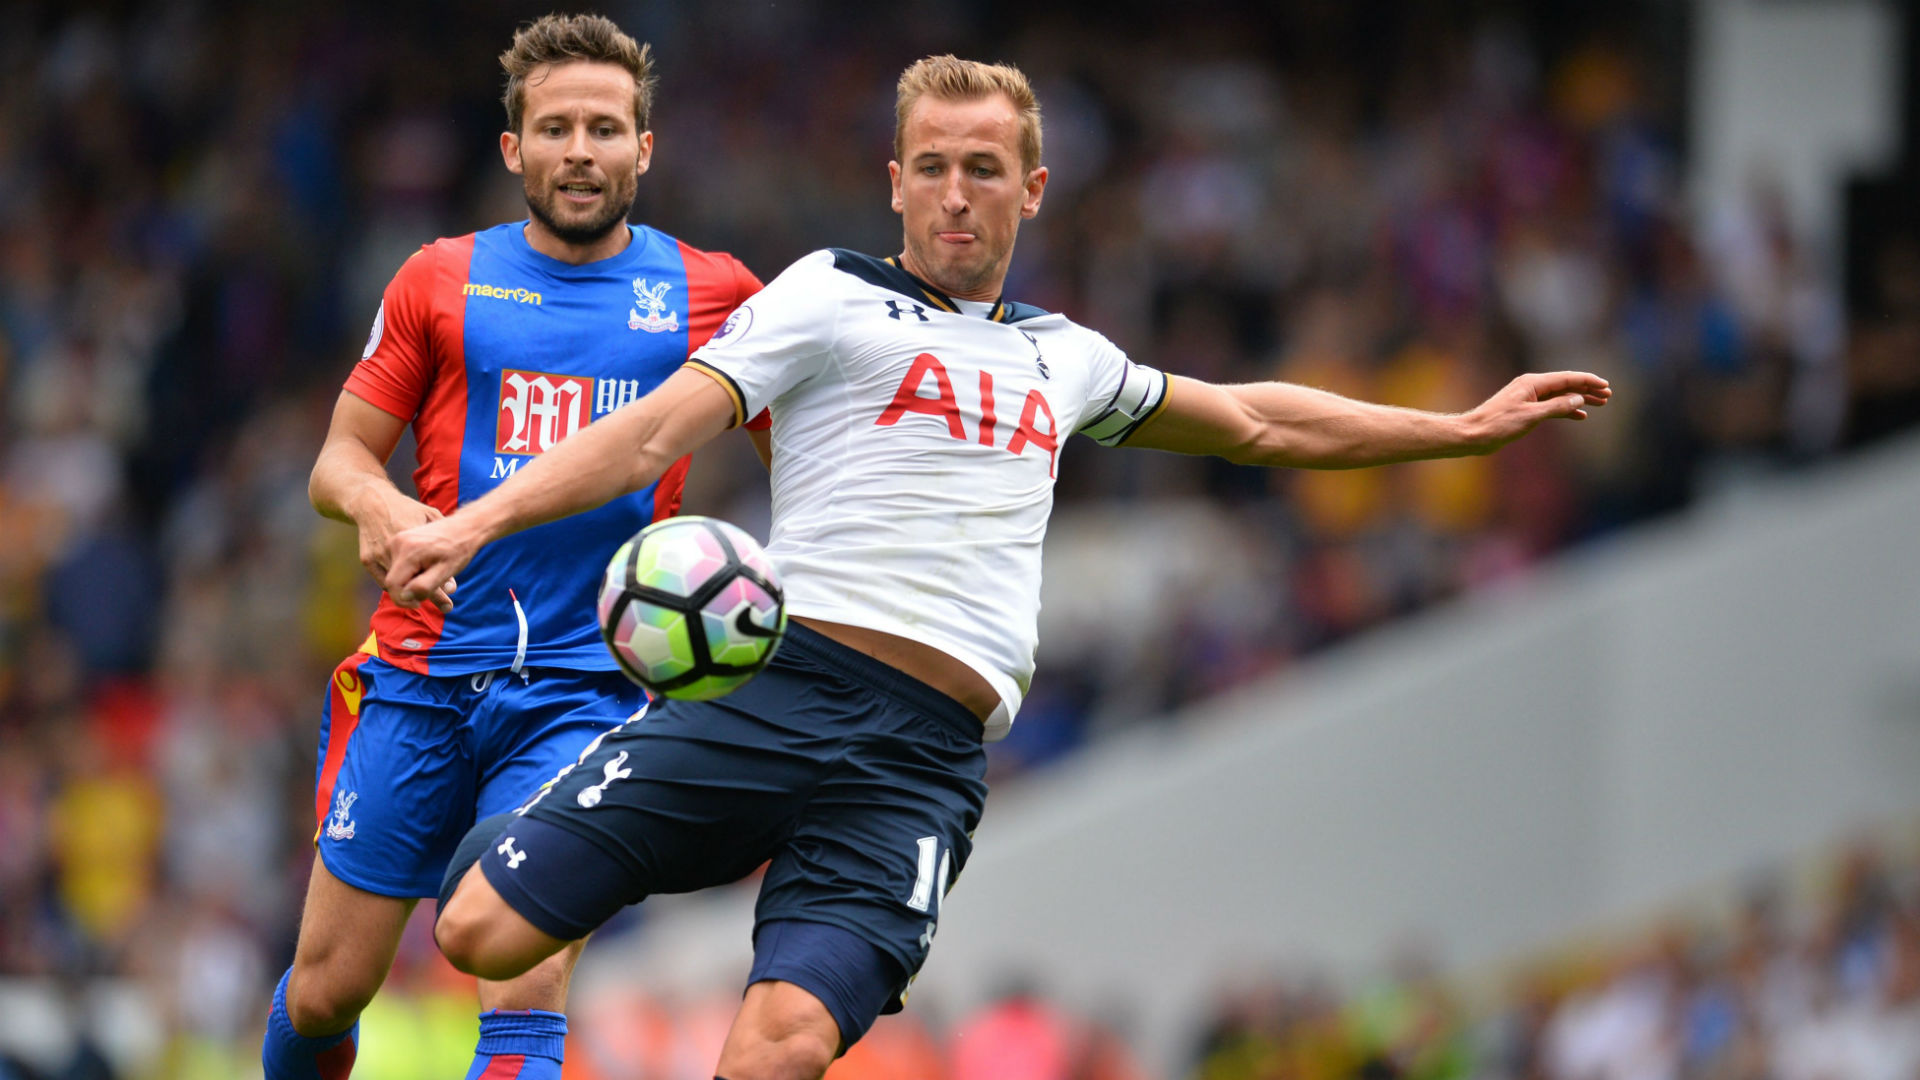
501	292
514	858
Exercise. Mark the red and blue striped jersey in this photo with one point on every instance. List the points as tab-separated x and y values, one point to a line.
496	352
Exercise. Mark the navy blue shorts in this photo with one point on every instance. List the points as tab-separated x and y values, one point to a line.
409	762
858	785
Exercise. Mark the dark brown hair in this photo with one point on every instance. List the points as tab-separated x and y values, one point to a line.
561	39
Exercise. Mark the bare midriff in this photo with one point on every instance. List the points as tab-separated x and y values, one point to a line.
923	662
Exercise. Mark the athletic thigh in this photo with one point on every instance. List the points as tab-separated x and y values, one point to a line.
347	942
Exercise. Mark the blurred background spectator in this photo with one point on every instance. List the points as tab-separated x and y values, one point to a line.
200	202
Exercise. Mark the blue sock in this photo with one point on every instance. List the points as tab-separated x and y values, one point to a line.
285	1054
524	1044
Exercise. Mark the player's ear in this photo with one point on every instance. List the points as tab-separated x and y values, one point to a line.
1036	187
646	153
510	151
893	175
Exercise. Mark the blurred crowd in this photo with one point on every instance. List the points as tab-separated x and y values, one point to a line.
1813	973
1810	973
200	203
1823	988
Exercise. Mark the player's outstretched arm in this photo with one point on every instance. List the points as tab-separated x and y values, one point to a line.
1276	423
349	483
622	452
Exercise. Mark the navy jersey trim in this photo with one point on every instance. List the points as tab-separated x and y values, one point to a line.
1133	404
888	274
1011	312
726	383
1166	395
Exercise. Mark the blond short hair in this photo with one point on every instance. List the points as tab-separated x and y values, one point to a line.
559	39
949	78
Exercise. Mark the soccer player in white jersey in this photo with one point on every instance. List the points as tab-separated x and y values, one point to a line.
918	424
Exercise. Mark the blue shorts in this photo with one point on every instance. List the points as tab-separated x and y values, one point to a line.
409	762
859	786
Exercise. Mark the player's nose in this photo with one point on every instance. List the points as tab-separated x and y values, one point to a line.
579	148
953	199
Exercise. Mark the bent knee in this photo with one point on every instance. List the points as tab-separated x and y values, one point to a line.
459	935
482	936
322	1001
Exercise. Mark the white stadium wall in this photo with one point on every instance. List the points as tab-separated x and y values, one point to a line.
1798	95
1662	713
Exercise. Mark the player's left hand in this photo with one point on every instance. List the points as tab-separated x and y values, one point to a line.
1524	403
425	558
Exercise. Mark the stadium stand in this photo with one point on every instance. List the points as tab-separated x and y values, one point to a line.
199	204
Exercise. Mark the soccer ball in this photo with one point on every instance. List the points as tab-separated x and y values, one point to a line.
690	608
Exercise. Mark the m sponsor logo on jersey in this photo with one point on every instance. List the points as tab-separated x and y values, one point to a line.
654	301
539	408
339	826
502	292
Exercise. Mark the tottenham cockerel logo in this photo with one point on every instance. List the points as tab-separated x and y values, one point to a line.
589	797
653	301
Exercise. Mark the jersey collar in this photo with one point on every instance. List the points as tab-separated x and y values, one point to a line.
941	300
618	262
889	274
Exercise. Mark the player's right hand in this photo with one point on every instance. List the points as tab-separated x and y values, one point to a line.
381	516
425	558
1529	400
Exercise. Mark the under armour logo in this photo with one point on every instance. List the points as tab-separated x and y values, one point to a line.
926	936
895	311
514	858
589	797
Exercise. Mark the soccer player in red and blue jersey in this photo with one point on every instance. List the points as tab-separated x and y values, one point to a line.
495	346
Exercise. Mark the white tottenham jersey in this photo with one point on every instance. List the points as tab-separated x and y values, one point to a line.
915	449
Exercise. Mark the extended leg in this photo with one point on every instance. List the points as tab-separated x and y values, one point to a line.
348	937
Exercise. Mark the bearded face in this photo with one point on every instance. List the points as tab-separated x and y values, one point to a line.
580	205
579	152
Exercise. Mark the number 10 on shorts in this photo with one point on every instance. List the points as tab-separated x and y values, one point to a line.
924	898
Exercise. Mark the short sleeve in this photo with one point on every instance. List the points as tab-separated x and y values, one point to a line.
1125	395
746	287
776	340
396	367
